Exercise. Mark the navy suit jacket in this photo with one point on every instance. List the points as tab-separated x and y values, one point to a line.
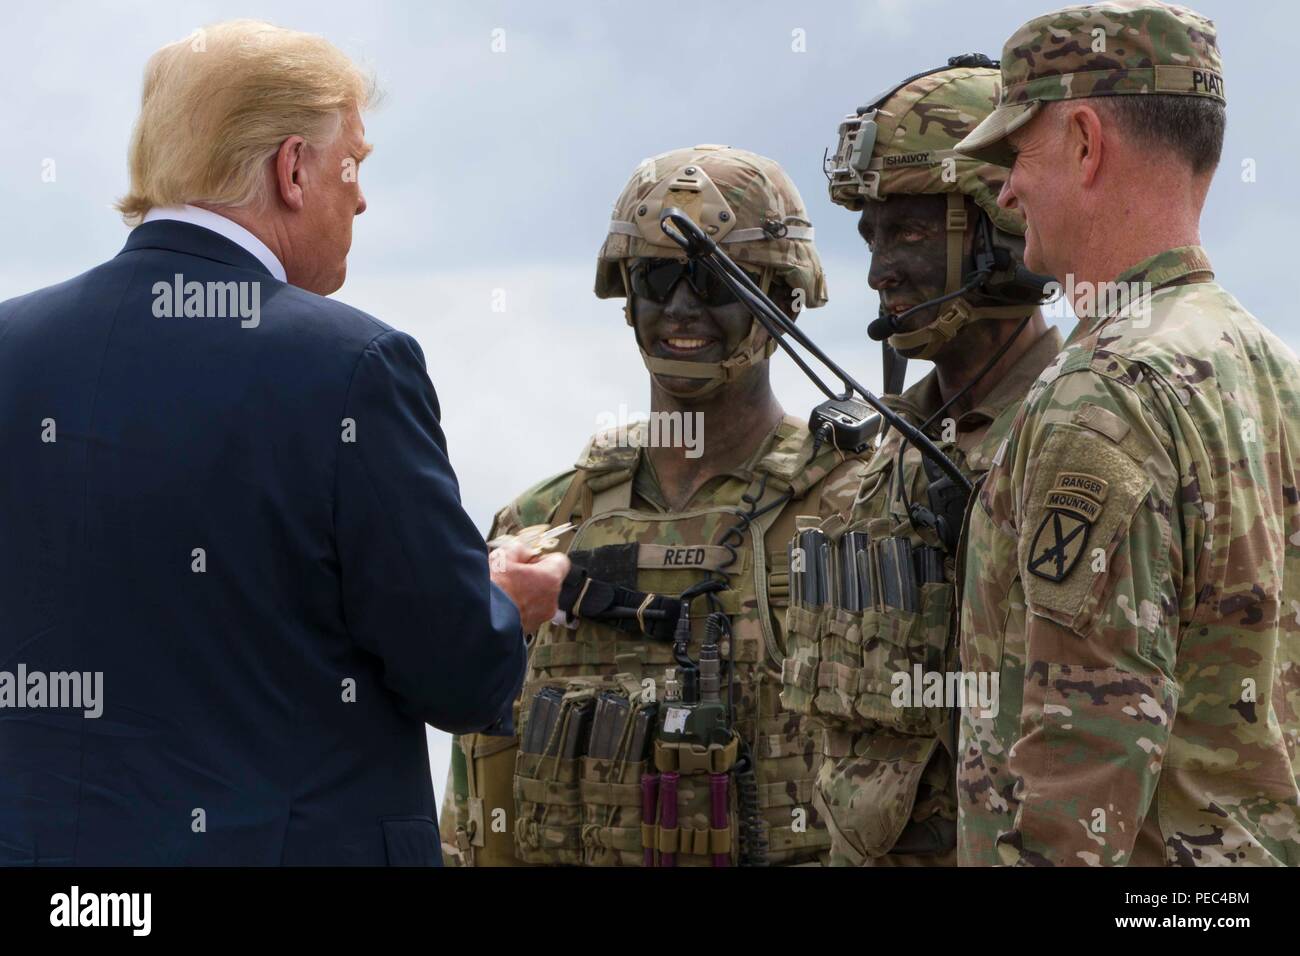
254	534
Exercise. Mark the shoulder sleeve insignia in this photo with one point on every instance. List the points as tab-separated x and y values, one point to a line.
1058	543
1072	505
1080	493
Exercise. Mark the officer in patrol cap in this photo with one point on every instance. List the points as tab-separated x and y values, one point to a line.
1132	571
933	226
671	544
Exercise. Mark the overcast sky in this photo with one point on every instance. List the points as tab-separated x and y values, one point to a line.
497	171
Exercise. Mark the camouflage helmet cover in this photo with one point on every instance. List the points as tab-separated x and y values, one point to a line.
744	201
902	143
915	129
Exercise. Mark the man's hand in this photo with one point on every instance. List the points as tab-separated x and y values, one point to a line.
533	583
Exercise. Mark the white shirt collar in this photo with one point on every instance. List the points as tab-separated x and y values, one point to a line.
223	227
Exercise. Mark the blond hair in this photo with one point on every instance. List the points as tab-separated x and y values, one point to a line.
218	104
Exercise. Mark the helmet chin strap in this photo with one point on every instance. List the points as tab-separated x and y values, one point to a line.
957	312
756	347
956	316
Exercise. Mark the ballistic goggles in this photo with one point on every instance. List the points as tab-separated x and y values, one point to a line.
655	279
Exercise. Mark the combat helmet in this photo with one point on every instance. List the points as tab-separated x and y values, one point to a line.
901	143
743	201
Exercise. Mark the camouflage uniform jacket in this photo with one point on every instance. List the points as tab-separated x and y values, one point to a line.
824	484
872	769
1133	574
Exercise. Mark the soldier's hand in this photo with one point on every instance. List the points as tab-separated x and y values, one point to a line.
533	583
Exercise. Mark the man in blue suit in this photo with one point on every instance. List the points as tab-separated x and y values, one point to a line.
236	579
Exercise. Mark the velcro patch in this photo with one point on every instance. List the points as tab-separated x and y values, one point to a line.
1058	544
908	159
708	556
1174	78
1102	421
1085	490
1089	485
1081	506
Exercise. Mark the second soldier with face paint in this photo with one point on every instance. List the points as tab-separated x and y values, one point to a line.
945	261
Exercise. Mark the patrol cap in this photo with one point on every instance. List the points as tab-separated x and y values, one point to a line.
1114	48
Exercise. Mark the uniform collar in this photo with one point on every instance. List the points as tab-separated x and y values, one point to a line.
921	400
646	480
1178	266
1169	267
917	401
1015	383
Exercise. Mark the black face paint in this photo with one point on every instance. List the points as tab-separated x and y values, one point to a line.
684	317
909	247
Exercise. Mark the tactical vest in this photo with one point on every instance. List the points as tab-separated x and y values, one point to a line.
841	661
618	809
846	667
884	677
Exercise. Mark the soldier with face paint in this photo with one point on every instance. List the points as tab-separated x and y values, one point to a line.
945	261
653	522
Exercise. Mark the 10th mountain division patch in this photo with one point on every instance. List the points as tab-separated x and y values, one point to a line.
1073	504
